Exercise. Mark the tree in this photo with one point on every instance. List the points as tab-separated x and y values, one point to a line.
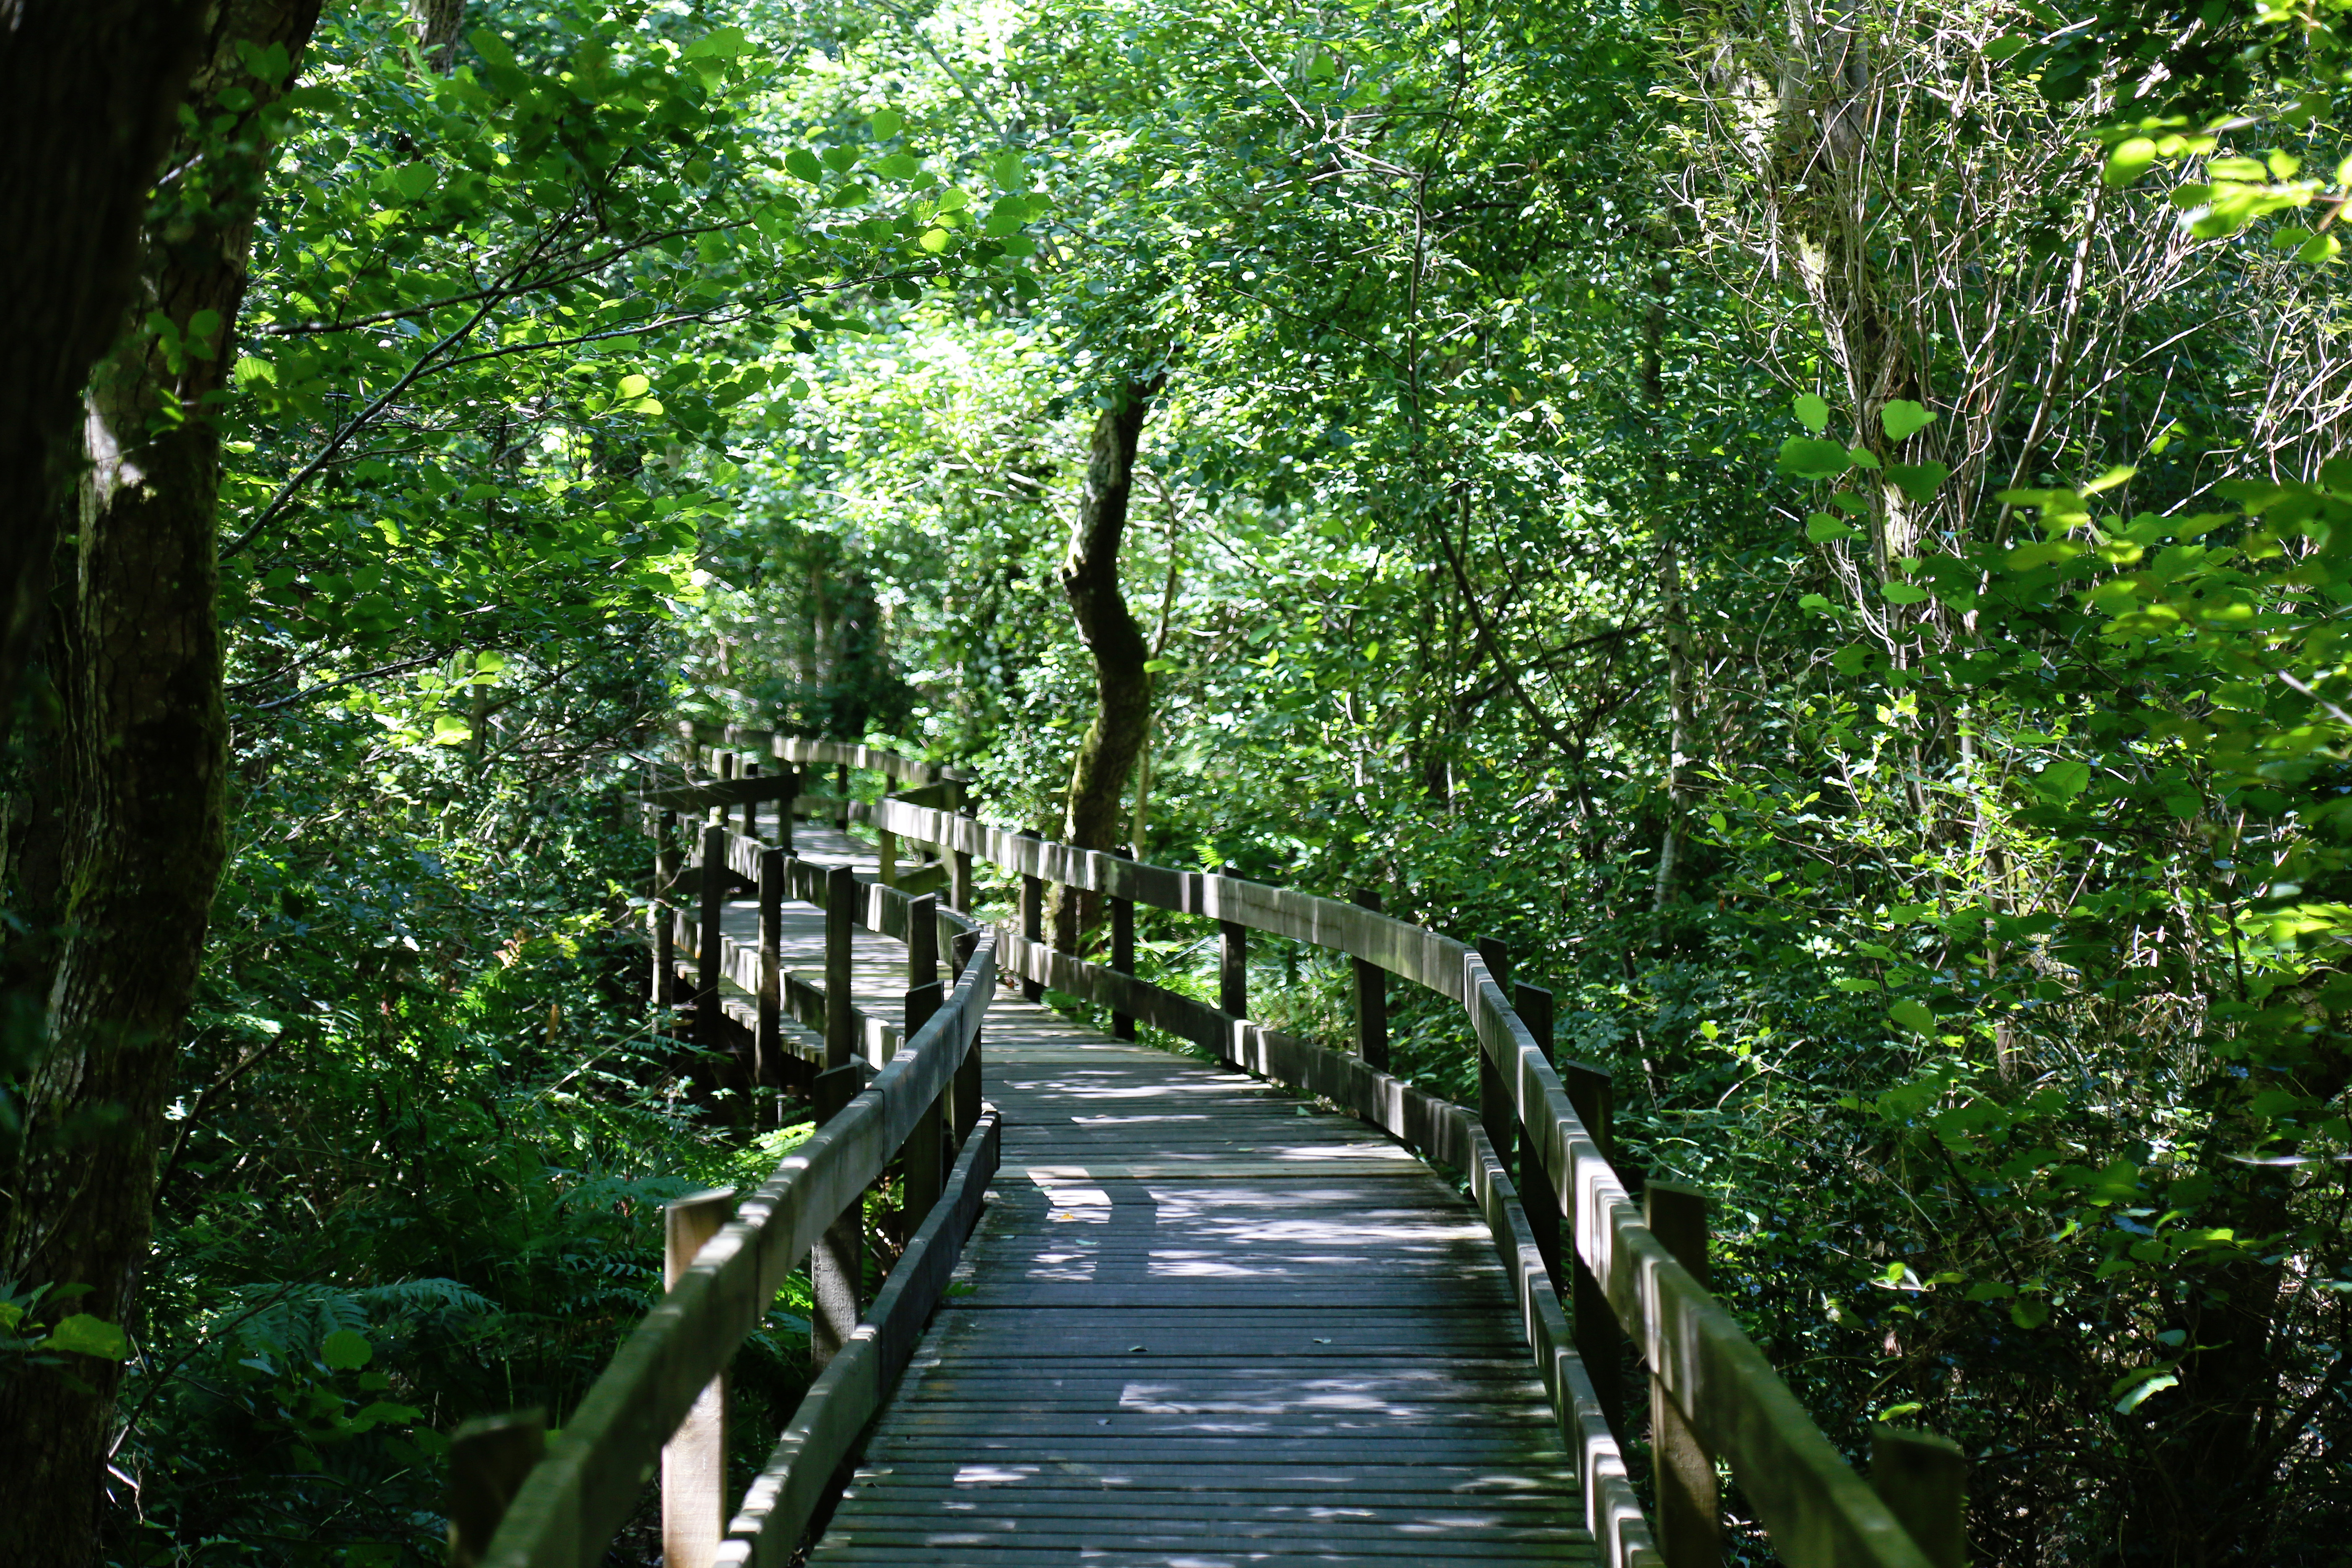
1114	738
90	95
145	739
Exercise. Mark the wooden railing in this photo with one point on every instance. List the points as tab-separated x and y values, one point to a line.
658	1398
1534	1155
1714	1394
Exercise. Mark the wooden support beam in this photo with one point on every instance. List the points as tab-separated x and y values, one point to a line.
1690	1513
922	1161
841	796
706	964
488	1458
1032	926
923	941
694	1460
1498	1111
836	1265
767	1037
750	807
840	911
1923	1479
886	858
1122	951
659	993
1371	997
963	1106
1600	1340
1233	962
1534	1006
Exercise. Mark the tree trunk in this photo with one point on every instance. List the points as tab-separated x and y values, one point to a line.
1674	616
437	24
146	764
88	97
1122	686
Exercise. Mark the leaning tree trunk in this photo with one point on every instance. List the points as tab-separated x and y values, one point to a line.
90	91
145	831
1122	686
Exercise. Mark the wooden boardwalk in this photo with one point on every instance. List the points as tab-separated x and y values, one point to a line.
1201	1324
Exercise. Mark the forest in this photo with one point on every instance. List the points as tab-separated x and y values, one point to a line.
1812	519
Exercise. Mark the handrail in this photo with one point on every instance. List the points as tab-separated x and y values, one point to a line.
580	1495
1817	1510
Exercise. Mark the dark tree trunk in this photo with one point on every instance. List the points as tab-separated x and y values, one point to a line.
145	762
1122	686
89	95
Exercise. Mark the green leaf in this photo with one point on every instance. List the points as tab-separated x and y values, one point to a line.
802	165
2135	1387
900	166
886	124
2064	780
413	180
84	1335
346	1349
1813	411
2006	45
1913	1015
1804	459
2128	160
725	44
1904	593
1009	172
1918	480
1822	527
1903	418
2029	1314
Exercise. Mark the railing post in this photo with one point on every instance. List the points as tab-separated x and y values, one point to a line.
784	809
960	860
1599	1342
887	858
923	940
841	796
488	1458
1690	1513
922	1161
1233	961
767	1043
1536	1194
1923	1480
1122	952
665	927
705	965
841	1033
1498	1111
964	1113
750	807
837	1263
1372	998
1033	923
694	1461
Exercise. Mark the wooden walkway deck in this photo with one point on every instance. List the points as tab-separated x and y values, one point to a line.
1201	1324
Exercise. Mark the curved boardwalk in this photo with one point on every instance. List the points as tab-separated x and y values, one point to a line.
1202	1325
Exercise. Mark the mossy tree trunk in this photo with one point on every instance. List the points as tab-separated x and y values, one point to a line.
145	764
88	97
1089	575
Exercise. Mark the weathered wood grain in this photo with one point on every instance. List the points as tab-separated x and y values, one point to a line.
823	1430
573	1502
